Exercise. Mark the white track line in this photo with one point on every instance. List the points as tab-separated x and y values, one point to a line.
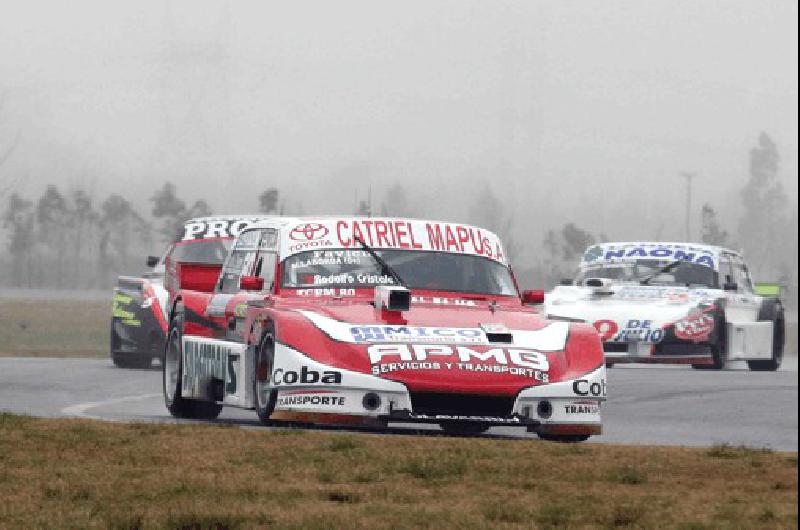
79	410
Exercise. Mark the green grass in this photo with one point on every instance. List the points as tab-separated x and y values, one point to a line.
84	474
54	328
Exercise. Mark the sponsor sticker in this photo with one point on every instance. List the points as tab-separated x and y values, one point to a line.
634	331
388	358
367	334
584	387
661	251
311	398
308	232
695	328
306	376
582	407
215	228
394	234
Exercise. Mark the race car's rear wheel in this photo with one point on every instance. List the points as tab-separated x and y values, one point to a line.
772	312
125	359
131	360
264	395
563	438
464	428
172	371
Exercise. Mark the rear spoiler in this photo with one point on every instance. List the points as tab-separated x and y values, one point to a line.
771	289
130	283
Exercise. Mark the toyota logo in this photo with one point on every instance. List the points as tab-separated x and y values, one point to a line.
308	232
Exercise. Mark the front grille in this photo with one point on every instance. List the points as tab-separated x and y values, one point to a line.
461	404
615	347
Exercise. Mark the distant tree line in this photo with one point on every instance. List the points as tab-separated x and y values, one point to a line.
67	240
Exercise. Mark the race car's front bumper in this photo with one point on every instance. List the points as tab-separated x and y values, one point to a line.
310	391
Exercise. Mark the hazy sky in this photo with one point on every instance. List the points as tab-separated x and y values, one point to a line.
568	110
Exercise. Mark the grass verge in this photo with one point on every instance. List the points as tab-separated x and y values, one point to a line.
83	474
54	328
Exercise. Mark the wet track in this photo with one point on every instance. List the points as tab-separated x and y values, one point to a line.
647	405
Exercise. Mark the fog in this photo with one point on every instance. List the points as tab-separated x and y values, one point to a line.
583	112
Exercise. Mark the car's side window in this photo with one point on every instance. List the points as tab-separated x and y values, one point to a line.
726	271
253	254
742	275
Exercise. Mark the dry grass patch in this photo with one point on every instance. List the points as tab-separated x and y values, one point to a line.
82	474
54	328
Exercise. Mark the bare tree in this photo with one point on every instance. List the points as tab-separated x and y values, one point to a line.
268	201
712	231
765	218
18	218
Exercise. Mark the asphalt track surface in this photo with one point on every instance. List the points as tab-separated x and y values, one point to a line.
658	405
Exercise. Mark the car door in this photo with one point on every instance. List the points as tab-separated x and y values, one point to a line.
742	305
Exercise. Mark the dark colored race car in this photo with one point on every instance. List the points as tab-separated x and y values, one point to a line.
139	307
374	321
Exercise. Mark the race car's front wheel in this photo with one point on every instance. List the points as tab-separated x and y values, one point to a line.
719	348
264	395
774	313
464	428
172	372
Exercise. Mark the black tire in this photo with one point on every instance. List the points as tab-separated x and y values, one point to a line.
470	428
264	399
131	360
172	364
563	438
719	348
609	364
772	311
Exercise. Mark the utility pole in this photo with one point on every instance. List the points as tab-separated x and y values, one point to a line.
689	177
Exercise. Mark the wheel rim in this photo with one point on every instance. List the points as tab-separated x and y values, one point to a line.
263	386
171	367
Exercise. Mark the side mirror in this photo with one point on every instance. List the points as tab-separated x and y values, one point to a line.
535	296
251	283
152	261
392	298
730	286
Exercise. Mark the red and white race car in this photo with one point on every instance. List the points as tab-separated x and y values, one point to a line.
367	321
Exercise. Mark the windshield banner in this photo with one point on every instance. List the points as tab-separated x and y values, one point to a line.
392	234
216	228
621	252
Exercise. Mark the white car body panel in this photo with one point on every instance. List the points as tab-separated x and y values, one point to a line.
574	402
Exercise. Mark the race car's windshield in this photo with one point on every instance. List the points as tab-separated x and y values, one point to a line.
685	274
212	251
436	271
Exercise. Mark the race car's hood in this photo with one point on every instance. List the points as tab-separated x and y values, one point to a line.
488	349
629	307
